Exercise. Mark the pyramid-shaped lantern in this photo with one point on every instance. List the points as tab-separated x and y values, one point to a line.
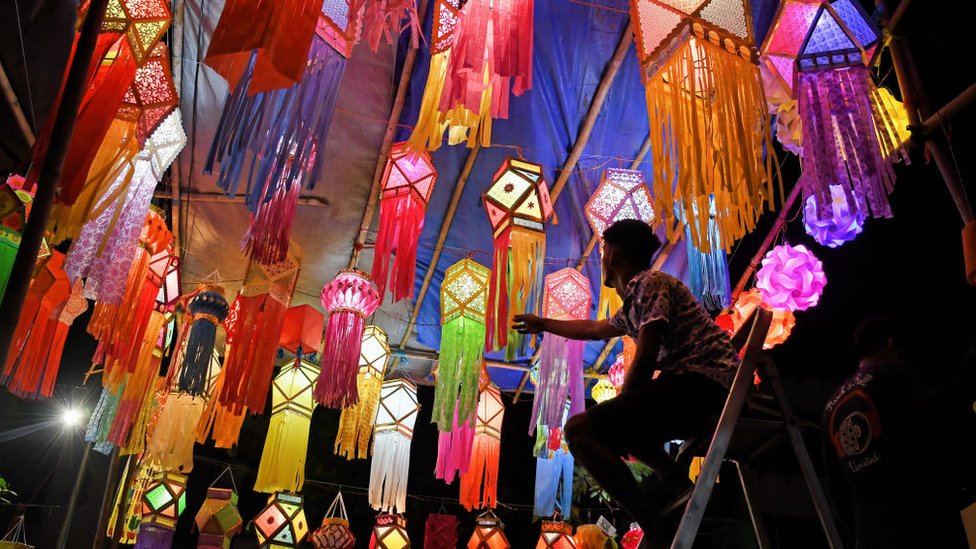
144	23
556	535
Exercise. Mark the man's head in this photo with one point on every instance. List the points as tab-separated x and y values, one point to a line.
629	245
877	338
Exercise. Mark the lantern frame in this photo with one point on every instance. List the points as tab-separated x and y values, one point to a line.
488	533
164	499
464	291
144	23
212	531
303	327
390	528
398	179
619	194
351	291
556	535
282	522
152	96
518	195
374	353
491	412
398	407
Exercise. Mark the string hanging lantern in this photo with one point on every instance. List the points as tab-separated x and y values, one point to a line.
303	328
708	271
162	504
428	133
395	420
556	535
408	181
281	524
218	519
128	502
389	532
747	302
464	298
14	205
518	207
348	299
440	531
144	22
791	278
707	114
842	225
334	532
479	484
356	422
208	309
622	194
282	467
488	533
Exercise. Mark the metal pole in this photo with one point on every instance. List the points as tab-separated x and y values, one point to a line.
130	470
73	501
107	499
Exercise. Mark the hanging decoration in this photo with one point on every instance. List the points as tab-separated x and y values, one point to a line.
389	532
395	420
591	536
617	372
479	484
219	421
556	535
408	181
209	309
334	532
707	114
747	302
622	194
302	328
14	206
348	299
553	470
282	467
708	271
791	278
171	442
382	20
567	297
428	133
518	208
128	500
454	450
488	533
162	504
842	225
218	520
281	524
632	537
441	531
603	390
464	297
356	422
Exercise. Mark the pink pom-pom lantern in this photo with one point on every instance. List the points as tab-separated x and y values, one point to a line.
841	224
791	278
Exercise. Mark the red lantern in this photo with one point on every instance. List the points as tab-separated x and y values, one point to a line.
303	328
152	95
440	532
556	535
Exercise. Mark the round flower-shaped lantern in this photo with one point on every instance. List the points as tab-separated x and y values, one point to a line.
842	224
779	329
791	278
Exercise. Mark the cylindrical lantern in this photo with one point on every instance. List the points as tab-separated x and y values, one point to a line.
440	531
356	422
282	522
218	519
348	299
390	467
556	535
389	532
479	484
208	309
791	278
488	533
842	224
162	504
334	532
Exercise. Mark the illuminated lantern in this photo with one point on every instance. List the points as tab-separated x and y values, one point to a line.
282	467
603	390
488	533
334	532
389	532
561	359
303	328
390	467
591	536
348	299
621	194
440	531
356	422
152	95
842	225
616	372
218	519
556	535
408	181
14	204
791	278
464	298
162	504
208	309
747	302
518	208
282	522
454	450
479	484
144	22
707	113
428	133
128	501
632	537
708	269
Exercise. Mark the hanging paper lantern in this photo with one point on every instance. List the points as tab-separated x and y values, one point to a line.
707	113
144	22
616	372
747	302
282	467
454	450
356	422
518	208
488	533
603	390
208	308
282	522
382	20
303	328
218	519
561	359
440	531
349	299
390	467
408	181
591	536
152	95
556	535
428	133
334	532
171	442
339	27
14	204
791	278
389	532
162	504
843	225
464	297
632	537
708	271
479	484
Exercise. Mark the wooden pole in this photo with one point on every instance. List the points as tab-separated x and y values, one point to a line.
50	176
14	104
409	61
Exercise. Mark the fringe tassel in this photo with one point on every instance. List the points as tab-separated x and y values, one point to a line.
336	387
250	363
458	370
356	421
218	419
389	470
708	272
554	484
401	222
428	132
382	22
610	302
267	237
101	421
479	485
137	385
454	450
516	280
560	376
282	467
195	370
171	442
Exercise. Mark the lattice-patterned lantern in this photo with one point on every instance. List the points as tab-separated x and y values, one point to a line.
334	532
390	532
218	519
390	467
162	504
621	194
152	96
820	53
561	359
356	422
429	130
464	299
518	208
603	390
282	523
843	223
617	372
348	299
167	267
488	533
208	308
709	126
747	302
338	27
479	484
408	181
144	23
556	535
791	278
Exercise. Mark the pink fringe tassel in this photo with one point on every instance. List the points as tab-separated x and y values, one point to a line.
267	238
336	385
401	222
454	451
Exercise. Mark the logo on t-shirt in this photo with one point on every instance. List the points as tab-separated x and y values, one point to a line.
854	424
855	434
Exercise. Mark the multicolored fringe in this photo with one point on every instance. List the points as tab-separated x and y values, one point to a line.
456	388
516	282
560	376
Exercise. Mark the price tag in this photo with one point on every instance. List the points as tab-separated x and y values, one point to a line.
607	528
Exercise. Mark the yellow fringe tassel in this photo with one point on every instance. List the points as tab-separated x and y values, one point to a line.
218	420
472	127
429	131
282	467
356	422
527	251
171	442
609	303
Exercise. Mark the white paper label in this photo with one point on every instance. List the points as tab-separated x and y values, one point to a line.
607	528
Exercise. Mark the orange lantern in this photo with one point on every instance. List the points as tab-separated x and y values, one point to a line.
479	484
303	328
488	533
747	302
556	535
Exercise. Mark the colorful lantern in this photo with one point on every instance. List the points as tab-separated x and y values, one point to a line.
408	181
561	359
556	535
395	420
488	533
282	467
621	194
144	22
334	532
339	27
349	299
454	450
282	522
152	95
208	309
632	537
303	328
553	470
479	484
591	536
14	204
171	442
162	504
440	531
617	372
603	390
747	302
218	519
791	278
518	208
708	271
428	133
389	532
356	421
128	500
464	298
842	225
707	113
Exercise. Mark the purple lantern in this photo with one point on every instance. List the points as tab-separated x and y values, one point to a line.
842	225
791	278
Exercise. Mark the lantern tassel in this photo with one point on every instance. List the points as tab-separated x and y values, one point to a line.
401	222
428	132
454	450
553	484
389	470
517	271
171	441
462	351
219	420
196	358
479	484
356	421
560	376
267	237
336	386
610	302
382	21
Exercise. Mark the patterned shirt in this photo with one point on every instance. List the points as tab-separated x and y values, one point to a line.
691	341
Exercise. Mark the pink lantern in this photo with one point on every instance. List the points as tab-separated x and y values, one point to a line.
349	299
791	278
842	225
616	372
632	538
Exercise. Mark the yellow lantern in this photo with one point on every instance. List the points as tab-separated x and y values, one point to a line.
603	390
356	422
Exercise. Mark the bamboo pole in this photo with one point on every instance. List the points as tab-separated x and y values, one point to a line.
409	61
112	478
50	175
14	104
130	470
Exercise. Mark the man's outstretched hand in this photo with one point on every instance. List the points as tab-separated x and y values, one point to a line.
528	324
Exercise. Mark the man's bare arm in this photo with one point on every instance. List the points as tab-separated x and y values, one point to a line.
570	329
